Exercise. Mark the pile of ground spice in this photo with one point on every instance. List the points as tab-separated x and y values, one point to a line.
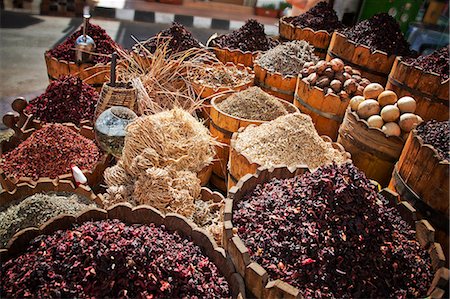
320	17
289	58
68	99
221	75
104	45
250	37
380	32
329	234
110	259
178	38
436	134
253	103
37	209
436	62
49	152
289	140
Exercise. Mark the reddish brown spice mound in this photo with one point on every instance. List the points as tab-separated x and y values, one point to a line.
330	235
103	45
320	17
437	62
49	152
68	99
437	134
178	37
111	259
250	37
380	32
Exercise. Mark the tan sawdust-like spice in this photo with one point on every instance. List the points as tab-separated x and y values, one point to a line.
289	140
253	103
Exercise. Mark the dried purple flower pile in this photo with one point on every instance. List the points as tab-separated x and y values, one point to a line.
438	135
178	38
320	17
103	45
327	234
437	62
111	259
68	99
380	32
250	37
49	152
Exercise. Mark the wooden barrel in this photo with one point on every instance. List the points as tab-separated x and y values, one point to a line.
142	214
222	126
94	176
240	164
372	151
421	178
326	111
206	92
92	74
373	65
256	277
275	83
319	39
235	56
428	89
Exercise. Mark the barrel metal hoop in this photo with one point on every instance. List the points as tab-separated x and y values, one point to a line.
317	111
263	85
437	218
93	85
431	98
222	130
358	67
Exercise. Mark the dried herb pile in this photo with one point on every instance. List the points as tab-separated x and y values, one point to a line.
436	134
222	76
327	234
320	17
68	99
35	210
178	38
49	152
160	160
250	37
104	45
253	103
380	32
289	140
436	62
289	58
111	259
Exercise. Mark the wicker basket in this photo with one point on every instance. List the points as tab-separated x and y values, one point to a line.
123	94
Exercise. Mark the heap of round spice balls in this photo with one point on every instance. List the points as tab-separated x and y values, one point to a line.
250	37
111	259
320	17
253	103
49	152
383	110
35	210
104	45
67	99
334	78
328	234
178	38
288	59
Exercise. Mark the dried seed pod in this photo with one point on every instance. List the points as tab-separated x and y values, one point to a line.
350	86
323	81
321	66
311	69
364	82
356	77
337	65
304	73
312	78
308	64
327	90
359	90
344	96
346	76
348	69
339	76
356	72
336	85
329	73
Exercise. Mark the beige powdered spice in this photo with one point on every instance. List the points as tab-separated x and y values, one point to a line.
289	140
254	104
